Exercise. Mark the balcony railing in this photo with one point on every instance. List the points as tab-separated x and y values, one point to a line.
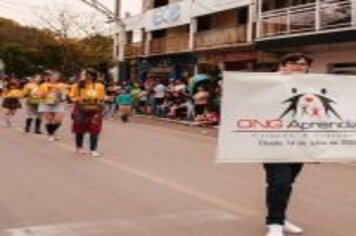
134	50
221	37
170	44
312	17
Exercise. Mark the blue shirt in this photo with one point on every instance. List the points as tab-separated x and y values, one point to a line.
124	99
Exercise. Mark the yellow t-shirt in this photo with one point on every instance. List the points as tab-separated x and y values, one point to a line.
48	88
31	90
12	93
91	93
53	93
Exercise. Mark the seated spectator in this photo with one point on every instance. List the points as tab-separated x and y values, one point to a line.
210	117
177	109
189	107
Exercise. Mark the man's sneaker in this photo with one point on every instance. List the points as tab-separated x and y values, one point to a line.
95	154
275	230
292	228
51	138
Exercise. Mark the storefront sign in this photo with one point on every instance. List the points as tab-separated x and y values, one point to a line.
204	7
169	16
269	117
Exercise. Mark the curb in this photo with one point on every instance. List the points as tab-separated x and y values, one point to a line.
180	122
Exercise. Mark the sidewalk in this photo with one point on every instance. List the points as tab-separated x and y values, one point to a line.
182	122
188	126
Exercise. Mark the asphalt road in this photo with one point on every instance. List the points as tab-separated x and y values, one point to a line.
154	180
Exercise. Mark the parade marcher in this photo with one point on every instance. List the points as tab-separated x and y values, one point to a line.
88	96
281	176
32	92
125	102
11	100
53	92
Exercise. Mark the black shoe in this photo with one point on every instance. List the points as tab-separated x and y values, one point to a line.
125	118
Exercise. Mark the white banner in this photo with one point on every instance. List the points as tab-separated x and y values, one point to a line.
269	117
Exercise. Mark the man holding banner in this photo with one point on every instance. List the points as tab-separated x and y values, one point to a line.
283	120
281	176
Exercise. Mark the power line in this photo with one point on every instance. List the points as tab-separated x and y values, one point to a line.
103	9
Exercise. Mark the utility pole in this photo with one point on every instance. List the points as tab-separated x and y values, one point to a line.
120	41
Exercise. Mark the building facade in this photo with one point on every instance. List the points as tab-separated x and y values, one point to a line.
177	38
324	29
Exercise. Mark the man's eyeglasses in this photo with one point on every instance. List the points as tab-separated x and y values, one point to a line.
298	63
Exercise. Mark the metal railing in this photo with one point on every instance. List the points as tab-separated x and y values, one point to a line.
170	44
220	37
312	17
134	50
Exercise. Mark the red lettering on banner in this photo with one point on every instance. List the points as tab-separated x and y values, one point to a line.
254	123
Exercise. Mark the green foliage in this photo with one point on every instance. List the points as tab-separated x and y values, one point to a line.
25	49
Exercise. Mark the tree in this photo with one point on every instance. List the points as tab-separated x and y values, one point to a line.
66	23
26	49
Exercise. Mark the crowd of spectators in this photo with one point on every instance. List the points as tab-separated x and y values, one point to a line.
178	99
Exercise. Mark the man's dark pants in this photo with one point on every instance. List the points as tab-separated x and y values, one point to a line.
280	178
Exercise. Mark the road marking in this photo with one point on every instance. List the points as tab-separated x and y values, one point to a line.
204	197
113	227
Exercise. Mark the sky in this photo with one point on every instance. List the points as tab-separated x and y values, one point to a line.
31	12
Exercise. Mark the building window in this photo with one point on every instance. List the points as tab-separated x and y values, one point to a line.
204	23
342	68
159	34
160	3
300	2
129	37
279	4
242	16
272	5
